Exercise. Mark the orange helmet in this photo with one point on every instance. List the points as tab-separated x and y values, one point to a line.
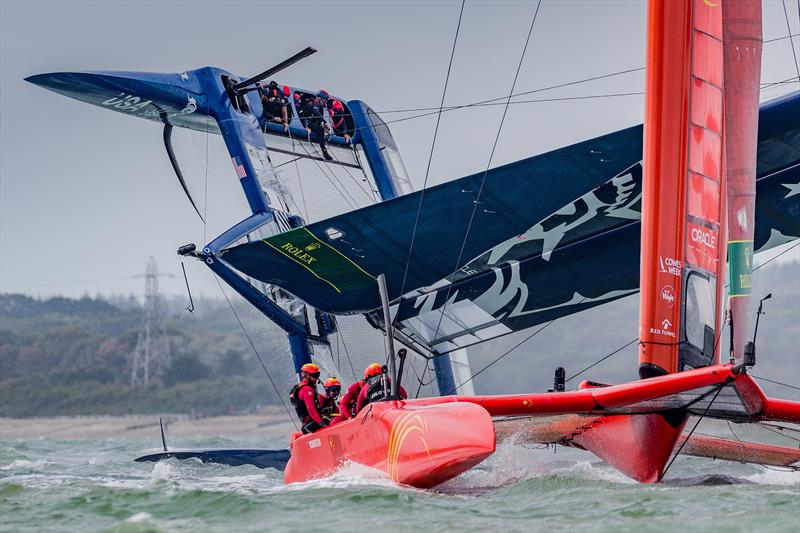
310	369
373	370
332	386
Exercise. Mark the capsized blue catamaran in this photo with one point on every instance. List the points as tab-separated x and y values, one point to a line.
552	234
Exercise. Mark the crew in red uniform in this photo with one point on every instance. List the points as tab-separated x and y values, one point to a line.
347	405
330	399
305	399
375	389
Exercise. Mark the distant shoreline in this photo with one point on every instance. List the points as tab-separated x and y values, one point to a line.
271	421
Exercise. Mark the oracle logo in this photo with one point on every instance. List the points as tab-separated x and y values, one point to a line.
704	237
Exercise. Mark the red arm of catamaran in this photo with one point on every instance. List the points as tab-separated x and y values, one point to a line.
581	418
671	391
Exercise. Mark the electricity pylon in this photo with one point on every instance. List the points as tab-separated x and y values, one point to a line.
152	354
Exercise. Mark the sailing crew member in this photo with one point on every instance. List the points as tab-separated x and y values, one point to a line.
347	405
298	104
330	400
275	104
375	389
342	124
305	399
313	119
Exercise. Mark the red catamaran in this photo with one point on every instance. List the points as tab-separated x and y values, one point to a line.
698	212
701	119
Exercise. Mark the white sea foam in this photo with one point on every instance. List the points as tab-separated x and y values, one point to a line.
24	464
513	462
597	471
776	477
162	471
140	517
349	475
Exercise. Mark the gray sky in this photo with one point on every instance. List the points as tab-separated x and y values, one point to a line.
87	195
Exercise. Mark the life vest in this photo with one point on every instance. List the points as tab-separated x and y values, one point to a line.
300	405
375	392
330	407
353	402
312	109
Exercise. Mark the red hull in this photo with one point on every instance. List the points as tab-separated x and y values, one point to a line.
414	443
639	446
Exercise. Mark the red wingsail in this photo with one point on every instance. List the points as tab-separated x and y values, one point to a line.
742	23
683	180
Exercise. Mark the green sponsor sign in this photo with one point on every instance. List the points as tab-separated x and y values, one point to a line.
740	268
321	259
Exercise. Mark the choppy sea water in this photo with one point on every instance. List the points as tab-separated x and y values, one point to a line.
64	485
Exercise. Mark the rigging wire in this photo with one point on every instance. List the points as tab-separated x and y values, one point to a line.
299	180
775	382
340	335
781	38
526	339
791	41
486	171
601	360
289	161
370	197
366	179
338	354
542	89
718	339
719	389
771	85
614	352
430	156
253	346
205	199
772	430
350	201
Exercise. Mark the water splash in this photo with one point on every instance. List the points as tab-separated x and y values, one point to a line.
26	465
788	478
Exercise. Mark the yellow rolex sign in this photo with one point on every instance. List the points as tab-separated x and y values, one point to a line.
740	268
322	260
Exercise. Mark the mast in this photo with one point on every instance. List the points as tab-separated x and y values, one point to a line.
387	320
743	40
683	187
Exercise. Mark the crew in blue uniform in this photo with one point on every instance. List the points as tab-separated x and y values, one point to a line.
274	103
313	118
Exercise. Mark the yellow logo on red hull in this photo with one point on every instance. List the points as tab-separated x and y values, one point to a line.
406	424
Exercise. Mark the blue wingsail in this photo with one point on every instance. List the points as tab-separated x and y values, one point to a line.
552	235
377	239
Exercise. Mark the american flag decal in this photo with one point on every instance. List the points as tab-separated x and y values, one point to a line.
240	171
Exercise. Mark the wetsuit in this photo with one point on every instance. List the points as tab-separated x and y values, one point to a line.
275	106
347	405
306	403
313	119
373	392
342	122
